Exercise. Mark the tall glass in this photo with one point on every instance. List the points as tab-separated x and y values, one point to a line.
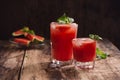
84	51
61	41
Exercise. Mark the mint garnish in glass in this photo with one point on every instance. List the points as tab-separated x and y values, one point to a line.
100	53
65	19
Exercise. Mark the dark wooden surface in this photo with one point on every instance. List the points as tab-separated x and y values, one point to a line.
11	60
101	17
32	63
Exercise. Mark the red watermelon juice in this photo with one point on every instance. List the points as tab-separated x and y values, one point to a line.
61	40
84	51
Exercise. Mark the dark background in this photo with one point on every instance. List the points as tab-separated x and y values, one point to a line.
100	17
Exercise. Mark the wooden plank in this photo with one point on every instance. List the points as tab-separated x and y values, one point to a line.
36	66
10	61
35	63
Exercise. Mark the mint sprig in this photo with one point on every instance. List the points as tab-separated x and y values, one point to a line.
95	37
99	52
65	19
26	29
31	32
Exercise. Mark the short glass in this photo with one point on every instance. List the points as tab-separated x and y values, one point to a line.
84	52
61	36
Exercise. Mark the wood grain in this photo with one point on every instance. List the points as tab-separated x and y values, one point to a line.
36	66
10	61
35	63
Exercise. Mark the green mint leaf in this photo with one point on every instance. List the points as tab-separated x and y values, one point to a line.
95	37
25	29
65	19
100	54
31	32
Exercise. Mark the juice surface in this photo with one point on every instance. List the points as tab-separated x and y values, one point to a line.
84	49
61	38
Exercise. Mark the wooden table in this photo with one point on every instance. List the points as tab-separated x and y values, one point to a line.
17	63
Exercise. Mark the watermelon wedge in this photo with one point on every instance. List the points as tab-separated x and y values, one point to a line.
35	37
19	33
22	41
30	37
39	38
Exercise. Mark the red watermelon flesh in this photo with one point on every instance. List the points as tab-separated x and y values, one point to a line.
22	41
19	33
31	37
35	37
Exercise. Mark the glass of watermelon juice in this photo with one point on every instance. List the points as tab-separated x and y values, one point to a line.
61	41
84	52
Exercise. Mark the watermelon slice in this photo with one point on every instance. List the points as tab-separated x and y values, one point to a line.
23	31
39	38
22	41
19	33
35	37
30	37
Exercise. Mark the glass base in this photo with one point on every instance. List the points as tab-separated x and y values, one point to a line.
56	64
85	65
